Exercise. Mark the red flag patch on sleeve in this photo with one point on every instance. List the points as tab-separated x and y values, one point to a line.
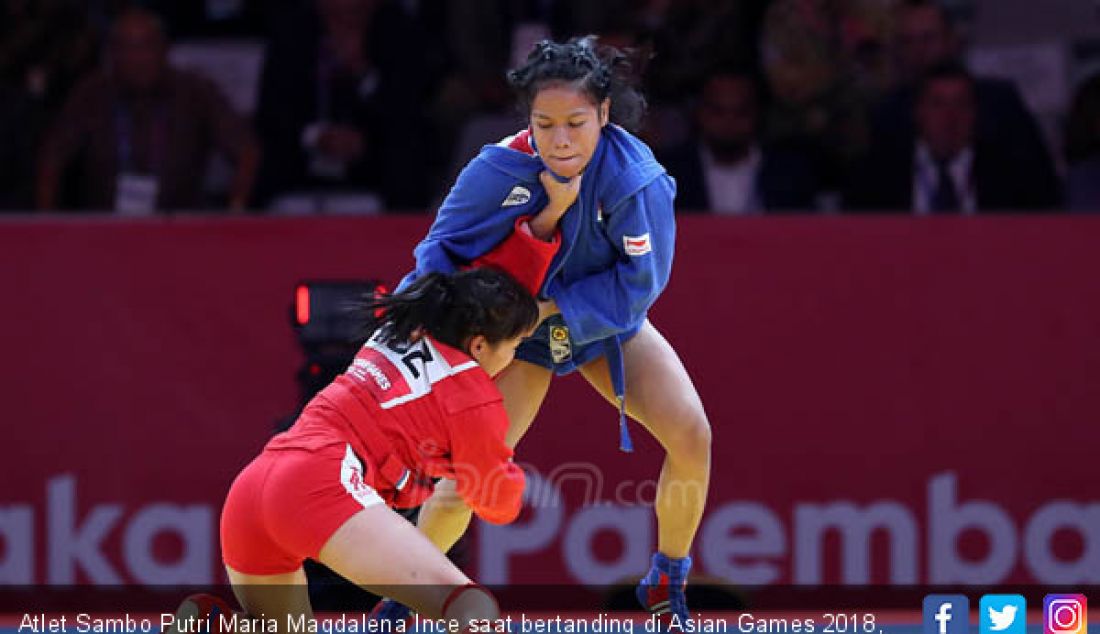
637	245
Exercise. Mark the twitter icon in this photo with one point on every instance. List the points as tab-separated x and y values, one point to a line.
1002	614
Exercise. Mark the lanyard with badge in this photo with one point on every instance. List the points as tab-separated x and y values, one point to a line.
136	190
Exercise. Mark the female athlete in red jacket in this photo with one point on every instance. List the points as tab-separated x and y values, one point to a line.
418	402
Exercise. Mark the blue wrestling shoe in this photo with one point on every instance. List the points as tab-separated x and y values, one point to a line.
390	610
662	590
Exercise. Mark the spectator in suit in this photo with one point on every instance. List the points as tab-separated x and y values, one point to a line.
1083	148
946	166
726	169
925	38
139	135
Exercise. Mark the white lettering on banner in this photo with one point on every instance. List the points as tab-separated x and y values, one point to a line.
633	524
499	543
855	526
760	555
949	520
726	547
1081	518
17	544
69	545
191	523
742	541
73	544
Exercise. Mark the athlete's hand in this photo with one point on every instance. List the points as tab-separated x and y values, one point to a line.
562	196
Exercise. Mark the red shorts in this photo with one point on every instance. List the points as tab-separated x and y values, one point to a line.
287	503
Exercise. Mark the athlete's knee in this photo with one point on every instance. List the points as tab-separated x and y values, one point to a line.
690	438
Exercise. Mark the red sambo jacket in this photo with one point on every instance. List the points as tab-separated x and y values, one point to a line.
414	411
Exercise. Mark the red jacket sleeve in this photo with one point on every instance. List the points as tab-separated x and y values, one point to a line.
523	256
485	475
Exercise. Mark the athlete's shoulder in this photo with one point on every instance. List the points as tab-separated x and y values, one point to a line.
502	175
625	148
628	165
467	386
396	373
467	391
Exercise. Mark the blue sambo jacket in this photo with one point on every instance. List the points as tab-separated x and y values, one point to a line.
617	238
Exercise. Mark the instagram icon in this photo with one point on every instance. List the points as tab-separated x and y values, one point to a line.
1065	614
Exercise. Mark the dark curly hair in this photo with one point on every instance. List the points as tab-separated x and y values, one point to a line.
600	71
455	307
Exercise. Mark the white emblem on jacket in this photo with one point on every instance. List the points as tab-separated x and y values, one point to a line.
517	196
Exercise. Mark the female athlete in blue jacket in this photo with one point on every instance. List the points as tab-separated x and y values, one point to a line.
579	166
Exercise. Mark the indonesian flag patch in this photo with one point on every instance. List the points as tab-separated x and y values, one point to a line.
637	245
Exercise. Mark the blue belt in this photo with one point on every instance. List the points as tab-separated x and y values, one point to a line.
613	350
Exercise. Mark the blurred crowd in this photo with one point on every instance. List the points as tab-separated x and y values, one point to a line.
372	106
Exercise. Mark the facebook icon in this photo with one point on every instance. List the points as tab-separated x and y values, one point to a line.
946	614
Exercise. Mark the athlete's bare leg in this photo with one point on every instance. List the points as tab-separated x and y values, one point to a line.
661	396
272	596
380	551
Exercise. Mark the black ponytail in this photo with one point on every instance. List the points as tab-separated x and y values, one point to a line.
602	71
453	308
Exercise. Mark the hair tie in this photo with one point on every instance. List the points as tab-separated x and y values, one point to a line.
544	49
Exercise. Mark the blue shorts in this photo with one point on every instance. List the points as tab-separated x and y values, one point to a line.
539	350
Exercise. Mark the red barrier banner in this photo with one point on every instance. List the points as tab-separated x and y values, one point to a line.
893	400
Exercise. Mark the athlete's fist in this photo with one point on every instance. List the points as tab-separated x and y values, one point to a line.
562	194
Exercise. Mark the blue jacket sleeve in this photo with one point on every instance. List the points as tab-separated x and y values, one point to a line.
615	300
468	225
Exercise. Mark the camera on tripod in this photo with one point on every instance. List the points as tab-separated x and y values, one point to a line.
330	323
